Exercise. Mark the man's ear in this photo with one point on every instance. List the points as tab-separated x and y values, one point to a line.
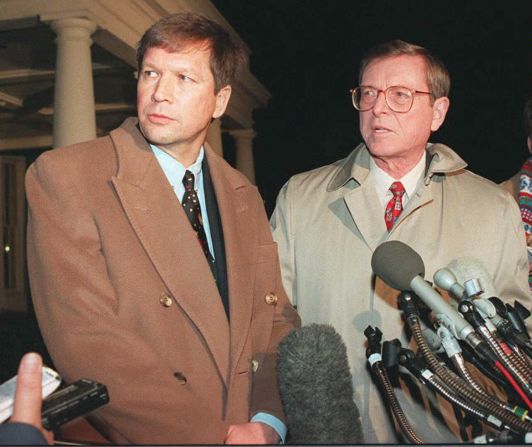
222	99
439	111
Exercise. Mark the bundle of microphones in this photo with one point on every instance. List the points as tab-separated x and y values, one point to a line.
476	327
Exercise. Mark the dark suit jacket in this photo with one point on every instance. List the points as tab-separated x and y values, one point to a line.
124	295
20	434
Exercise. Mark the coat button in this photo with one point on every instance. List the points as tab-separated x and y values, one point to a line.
180	377
165	300
271	298
254	365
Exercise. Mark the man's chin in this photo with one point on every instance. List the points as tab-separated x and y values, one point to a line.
155	136
380	151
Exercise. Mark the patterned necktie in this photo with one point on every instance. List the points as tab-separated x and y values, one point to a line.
192	209
395	205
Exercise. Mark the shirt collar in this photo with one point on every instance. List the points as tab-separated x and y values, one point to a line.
383	180
173	169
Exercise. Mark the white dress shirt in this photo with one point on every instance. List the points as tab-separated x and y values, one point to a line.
382	181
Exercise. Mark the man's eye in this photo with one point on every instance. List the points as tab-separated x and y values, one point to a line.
149	73
184	78
369	93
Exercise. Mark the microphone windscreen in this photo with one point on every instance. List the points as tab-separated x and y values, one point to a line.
316	388
397	264
467	267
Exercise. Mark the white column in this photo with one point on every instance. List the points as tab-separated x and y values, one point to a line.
214	137
244	152
74	111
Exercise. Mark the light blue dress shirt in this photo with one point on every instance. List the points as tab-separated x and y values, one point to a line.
174	172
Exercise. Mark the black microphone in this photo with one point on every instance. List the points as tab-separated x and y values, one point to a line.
316	388
402	268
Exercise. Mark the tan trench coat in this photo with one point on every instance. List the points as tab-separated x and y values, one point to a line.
327	224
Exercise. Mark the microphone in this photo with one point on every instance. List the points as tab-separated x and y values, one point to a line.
316	388
446	279
402	268
467	269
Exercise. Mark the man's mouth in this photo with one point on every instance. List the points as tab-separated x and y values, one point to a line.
380	129
159	118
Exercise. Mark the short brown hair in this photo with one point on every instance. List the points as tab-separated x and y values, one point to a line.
175	32
438	77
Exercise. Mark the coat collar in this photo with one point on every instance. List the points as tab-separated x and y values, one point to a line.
362	201
134	155
440	160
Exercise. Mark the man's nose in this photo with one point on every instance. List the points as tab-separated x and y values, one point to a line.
163	90
381	106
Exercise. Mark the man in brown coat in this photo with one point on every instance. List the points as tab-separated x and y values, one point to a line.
183	334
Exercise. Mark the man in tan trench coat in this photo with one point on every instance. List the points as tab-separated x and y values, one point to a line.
181	324
329	221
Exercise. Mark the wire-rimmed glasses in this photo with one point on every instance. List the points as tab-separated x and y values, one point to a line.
398	98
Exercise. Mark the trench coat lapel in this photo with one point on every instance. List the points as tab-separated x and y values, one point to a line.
233	197
169	240
359	198
368	215
363	205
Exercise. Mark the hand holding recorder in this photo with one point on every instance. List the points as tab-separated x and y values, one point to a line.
28	394
22	398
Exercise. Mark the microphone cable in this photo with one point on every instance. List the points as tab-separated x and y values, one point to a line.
461	387
419	369
505	437
519	370
514	384
454	352
373	354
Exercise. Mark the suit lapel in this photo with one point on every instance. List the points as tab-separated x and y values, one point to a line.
232	194
170	242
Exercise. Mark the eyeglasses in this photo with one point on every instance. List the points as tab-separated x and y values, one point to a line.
398	98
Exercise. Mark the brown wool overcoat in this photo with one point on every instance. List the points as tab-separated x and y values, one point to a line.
124	294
